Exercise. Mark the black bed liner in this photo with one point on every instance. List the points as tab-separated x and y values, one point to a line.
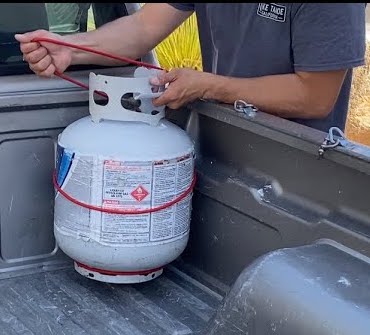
64	302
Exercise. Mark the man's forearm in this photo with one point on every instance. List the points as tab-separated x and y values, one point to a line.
287	95
109	38
131	36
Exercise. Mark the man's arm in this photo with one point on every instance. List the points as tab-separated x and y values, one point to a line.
307	95
132	36
327	40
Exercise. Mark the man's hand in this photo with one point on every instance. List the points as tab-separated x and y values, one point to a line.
184	86
44	58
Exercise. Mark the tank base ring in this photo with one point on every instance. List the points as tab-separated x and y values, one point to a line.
117	277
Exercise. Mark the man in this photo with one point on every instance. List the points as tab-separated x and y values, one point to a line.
293	60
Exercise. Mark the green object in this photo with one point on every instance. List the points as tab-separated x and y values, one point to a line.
67	18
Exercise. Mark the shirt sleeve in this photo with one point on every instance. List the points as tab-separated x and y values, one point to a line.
328	36
183	6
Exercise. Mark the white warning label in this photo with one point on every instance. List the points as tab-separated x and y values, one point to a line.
127	186
143	185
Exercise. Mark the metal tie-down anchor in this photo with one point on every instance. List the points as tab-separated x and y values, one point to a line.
331	141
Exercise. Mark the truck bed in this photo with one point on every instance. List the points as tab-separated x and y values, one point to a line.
64	302
264	212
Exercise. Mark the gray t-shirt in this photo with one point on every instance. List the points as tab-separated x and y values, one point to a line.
258	39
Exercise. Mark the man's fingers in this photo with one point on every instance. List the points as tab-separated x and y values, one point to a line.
167	77
28	37
158	102
154	81
163	78
42	65
29	47
26	44
159	78
23	38
49	72
163	99
174	105
36	56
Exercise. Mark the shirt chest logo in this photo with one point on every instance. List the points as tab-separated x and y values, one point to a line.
272	11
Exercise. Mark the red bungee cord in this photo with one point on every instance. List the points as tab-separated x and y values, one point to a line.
78	83
126	212
91	50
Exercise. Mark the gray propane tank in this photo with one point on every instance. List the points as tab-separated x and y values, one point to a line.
126	160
